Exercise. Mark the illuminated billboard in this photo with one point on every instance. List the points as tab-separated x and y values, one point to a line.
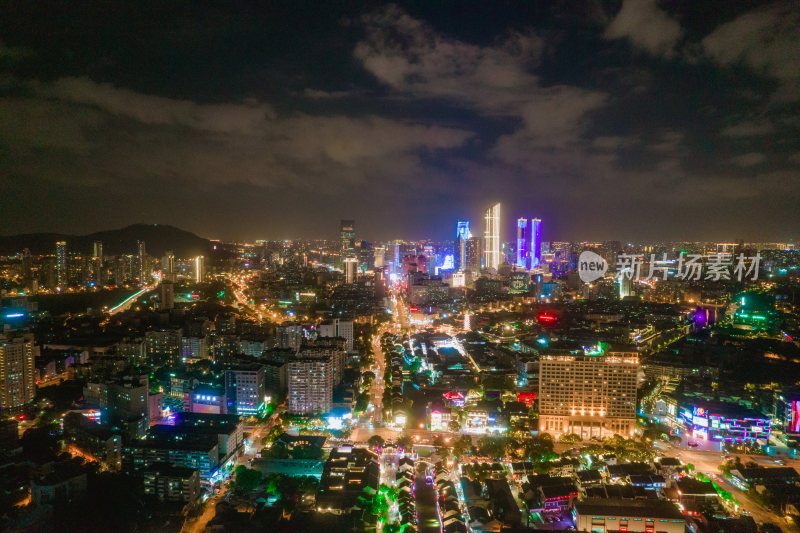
794	419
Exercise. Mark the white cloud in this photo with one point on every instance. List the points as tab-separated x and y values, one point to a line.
647	27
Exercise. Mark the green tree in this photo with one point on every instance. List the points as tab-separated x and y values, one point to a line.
491	446
405	441
462	445
375	441
246	480
572	438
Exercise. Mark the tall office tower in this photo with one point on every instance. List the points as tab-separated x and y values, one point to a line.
97	249
591	394
350	265
168	262
473	253
61	264
310	383
462	236
536	243
167	295
380	256
491	237
141	262
17	380
523	236
348	234
245	389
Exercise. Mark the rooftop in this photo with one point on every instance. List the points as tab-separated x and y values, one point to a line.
628	508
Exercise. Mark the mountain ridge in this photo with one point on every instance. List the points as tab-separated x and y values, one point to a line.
158	238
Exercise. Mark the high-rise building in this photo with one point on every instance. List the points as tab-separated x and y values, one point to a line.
491	237
380	256
97	249
245	389
350	265
462	236
473	255
523	238
168	262
338	328
592	394
61	264
199	269
348	235
311	381
17	380
167	295
141	259
163	346
536	243
289	335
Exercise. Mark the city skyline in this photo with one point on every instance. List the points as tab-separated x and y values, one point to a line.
649	120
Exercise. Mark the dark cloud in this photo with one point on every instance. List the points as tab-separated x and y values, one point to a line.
618	123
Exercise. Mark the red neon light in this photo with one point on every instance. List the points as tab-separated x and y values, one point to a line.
544	317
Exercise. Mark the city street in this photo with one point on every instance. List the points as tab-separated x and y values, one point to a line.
708	462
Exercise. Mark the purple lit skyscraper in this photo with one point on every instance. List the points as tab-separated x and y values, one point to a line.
536	243
523	238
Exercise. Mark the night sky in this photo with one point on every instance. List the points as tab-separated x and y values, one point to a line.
608	120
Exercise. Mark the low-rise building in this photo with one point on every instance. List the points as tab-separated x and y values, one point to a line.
347	472
60	484
634	516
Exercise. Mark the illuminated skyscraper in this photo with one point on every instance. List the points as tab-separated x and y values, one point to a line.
61	264
473	255
348	234
462	236
142	262
523	237
199	269
97	249
380	256
350	265
491	237
536	243
17	380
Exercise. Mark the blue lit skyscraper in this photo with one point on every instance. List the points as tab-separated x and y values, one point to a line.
462	236
536	243
523	238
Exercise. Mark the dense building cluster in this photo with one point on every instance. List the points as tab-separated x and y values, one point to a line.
466	385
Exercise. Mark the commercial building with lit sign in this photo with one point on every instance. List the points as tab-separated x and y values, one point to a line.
628	516
723	422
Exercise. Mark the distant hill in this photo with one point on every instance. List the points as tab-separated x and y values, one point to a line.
158	239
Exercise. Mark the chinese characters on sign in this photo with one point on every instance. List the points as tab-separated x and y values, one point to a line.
689	267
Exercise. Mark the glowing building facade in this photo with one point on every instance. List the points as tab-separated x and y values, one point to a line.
591	394
491	237
536	243
61	263
523	238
